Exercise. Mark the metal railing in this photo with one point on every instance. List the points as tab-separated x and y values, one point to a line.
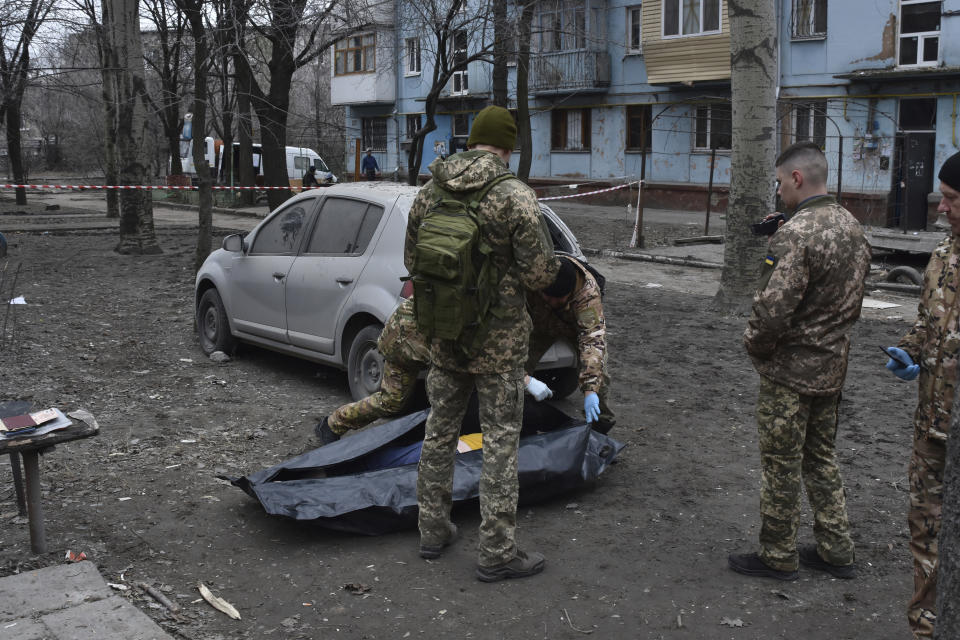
560	71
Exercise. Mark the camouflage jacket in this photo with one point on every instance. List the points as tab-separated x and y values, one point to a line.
811	289
934	341
580	321
522	254
400	341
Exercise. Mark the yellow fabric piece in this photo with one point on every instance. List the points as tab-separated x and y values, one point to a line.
469	442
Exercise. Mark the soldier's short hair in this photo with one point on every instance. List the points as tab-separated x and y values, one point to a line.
808	158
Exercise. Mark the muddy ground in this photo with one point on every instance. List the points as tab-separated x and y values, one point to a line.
640	555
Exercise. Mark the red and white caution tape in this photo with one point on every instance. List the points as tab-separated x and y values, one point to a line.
164	187
142	187
590	193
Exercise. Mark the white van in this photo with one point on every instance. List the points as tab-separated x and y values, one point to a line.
298	160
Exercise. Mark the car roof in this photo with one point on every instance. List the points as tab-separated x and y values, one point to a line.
384	193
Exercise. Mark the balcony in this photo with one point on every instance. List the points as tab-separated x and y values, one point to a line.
563	71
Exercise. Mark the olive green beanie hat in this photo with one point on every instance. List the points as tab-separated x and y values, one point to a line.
493	126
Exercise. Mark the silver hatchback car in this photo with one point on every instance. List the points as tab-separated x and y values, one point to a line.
320	275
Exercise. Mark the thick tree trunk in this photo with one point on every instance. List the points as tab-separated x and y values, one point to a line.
500	52
523	97
948	569
14	147
246	171
753	81
134	135
111	175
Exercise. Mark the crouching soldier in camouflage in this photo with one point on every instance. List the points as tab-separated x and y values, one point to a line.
810	293
934	343
405	354
571	308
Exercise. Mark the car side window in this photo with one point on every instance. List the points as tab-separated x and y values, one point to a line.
283	233
344	227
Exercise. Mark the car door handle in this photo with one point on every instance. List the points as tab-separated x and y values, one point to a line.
279	276
344	281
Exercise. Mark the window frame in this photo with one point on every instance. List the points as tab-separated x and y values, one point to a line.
818	14
559	35
369	137
459	80
711	129
463	119
679	33
634	48
560	128
646	114
369	222
812	114
921	36
409	134
412	56
367	52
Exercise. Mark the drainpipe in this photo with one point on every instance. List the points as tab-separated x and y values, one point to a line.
396	85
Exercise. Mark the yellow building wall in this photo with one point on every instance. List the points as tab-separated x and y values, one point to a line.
684	59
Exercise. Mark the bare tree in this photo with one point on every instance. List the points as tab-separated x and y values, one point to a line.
194	11
134	131
289	35
523	95
166	61
501	51
753	78
454	36
18	27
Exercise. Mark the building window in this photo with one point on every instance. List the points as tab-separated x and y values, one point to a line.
634	32
413	56
638	127
562	25
461	125
809	19
374	133
355	55
570	130
690	17
810	122
413	124
712	127
461	85
919	33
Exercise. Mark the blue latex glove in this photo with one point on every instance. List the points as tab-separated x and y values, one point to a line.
908	372
591	406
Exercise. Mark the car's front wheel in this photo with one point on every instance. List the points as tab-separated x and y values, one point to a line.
213	327
364	363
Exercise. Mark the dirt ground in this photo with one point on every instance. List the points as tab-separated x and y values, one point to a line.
640	555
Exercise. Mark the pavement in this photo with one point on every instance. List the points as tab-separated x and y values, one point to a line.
69	602
72	601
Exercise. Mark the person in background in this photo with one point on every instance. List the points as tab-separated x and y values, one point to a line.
931	350
369	166
310	178
809	296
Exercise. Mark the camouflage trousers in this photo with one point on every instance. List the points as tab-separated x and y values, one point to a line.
926	501
397	385
797	434
501	414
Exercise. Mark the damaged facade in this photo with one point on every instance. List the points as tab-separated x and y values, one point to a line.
618	88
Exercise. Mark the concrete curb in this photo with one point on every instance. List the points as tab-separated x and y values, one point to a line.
649	257
247	213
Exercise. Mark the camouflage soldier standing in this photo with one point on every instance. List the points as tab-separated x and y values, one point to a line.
523	256
934	343
810	294
571	307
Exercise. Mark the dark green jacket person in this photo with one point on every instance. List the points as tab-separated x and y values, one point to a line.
522	254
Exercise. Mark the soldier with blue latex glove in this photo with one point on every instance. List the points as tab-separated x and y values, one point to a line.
591	406
901	364
539	390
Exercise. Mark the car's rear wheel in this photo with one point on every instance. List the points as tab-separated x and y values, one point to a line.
364	363
213	327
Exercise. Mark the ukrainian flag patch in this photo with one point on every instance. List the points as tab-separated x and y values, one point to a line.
770	260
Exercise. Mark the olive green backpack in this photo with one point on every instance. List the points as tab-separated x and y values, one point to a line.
454	280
